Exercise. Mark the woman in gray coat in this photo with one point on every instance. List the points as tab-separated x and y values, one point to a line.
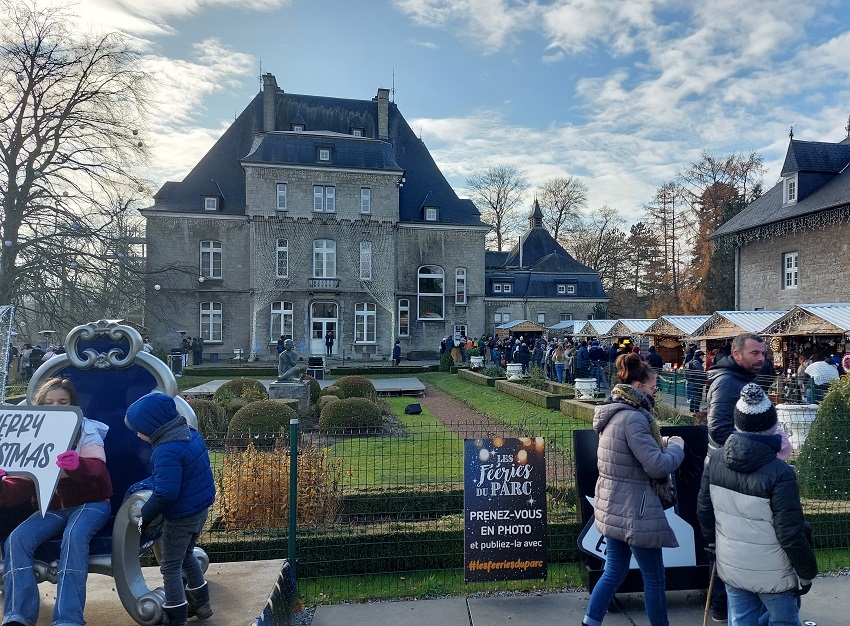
635	464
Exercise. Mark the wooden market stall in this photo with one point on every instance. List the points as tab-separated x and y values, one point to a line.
719	329
669	333
521	328
811	329
594	328
565	329
630	332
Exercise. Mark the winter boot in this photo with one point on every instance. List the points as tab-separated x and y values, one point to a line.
175	615
199	602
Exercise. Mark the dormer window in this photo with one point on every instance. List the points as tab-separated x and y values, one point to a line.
357	132
430	214
210	203
298	128
790	189
324	154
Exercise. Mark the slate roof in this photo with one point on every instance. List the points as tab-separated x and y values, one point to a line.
325	119
527	284
540	252
291	148
820	160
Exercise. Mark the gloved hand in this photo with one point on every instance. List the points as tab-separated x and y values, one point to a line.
135	515
676	441
805	585
69	460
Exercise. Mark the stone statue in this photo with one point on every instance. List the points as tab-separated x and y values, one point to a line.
287	364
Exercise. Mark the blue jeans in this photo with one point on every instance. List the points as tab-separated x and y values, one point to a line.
651	563
77	525
745	606
179	537
559	369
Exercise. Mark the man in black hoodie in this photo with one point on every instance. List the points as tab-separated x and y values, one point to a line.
726	378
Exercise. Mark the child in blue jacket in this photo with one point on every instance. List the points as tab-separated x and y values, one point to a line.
183	490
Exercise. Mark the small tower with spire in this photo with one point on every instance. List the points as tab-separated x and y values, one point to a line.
535	220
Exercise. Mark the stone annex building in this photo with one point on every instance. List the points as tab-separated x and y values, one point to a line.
313	214
792	243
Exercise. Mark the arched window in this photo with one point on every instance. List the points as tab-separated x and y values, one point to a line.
431	292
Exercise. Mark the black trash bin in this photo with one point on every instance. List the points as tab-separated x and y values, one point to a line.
175	362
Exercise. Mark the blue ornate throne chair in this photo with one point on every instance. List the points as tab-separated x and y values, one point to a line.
107	363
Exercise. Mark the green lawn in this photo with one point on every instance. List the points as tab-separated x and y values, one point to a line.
429	454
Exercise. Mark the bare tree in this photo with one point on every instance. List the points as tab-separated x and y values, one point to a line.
561	200
599	242
71	105
498	191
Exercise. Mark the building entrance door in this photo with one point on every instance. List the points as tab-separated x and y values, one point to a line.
323	318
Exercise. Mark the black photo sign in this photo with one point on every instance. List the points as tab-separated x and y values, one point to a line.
504	497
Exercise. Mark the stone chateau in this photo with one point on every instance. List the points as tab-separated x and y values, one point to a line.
314	214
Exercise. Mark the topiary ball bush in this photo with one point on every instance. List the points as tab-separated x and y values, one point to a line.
446	362
212	418
231	406
354	413
824	461
248	388
322	403
356	387
315	388
333	390
262	422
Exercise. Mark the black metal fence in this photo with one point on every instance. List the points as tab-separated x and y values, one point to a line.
381	513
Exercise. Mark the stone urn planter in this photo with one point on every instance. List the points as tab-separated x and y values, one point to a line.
585	388
797	420
514	371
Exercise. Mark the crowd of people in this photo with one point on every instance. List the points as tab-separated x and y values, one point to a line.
760	550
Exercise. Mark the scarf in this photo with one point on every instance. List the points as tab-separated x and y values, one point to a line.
645	403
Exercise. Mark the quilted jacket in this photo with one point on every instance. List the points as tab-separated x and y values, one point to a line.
749	506
725	380
627	508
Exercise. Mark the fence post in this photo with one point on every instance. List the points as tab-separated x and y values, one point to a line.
675	387
293	490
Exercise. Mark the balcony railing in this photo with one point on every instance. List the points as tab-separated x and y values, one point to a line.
324	283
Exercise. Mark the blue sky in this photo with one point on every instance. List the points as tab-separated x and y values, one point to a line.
622	94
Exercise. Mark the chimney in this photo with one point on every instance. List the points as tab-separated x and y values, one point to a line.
383	113
269	102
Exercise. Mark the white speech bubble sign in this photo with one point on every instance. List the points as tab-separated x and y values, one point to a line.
31	437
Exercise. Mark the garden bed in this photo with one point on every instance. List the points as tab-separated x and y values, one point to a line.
478	378
533	396
579	409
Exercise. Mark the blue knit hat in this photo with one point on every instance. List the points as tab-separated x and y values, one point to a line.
150	412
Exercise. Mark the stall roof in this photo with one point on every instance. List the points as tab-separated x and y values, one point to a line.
676	325
595	328
521	325
629	327
567	325
730	323
825	318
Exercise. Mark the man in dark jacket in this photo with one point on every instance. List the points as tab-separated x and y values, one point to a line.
749	510
726	378
695	380
654	359
582	360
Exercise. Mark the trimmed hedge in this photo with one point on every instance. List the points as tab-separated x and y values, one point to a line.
353	370
247	388
226	372
478	379
212	417
315	388
357	413
333	390
262	422
532	396
357	387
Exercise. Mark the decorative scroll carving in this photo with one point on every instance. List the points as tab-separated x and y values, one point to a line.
103	360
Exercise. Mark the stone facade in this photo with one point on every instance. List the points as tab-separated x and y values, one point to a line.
823	275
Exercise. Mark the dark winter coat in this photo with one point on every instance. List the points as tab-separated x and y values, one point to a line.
626	506
654	360
183	482
725	380
749	506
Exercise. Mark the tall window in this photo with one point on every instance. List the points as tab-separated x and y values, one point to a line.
365	260
324	198
460	286
365	200
281	196
431	289
364	322
324	258
789	270
789	184
404	317
211	321
281	321
282	258
211	259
